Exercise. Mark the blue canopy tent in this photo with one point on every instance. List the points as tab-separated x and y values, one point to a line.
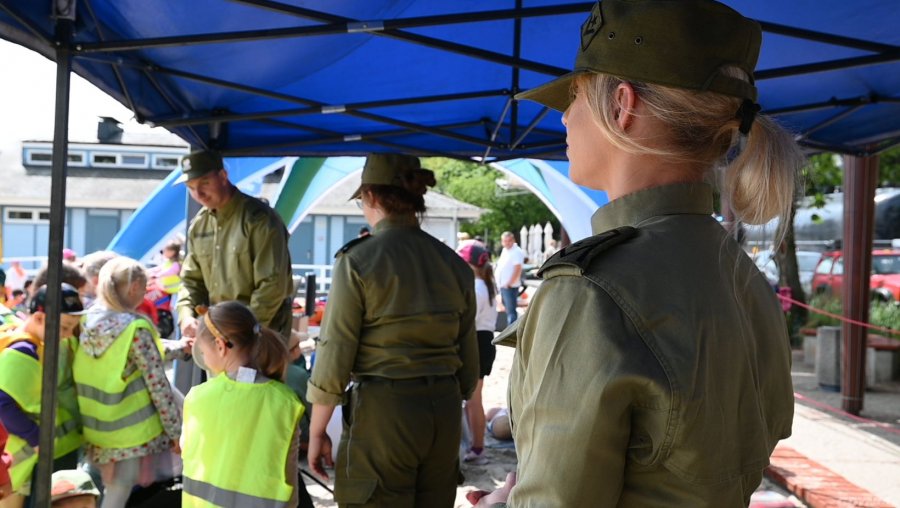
259	77
267	78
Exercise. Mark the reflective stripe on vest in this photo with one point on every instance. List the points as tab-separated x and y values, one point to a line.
138	416
136	385
222	497
259	439
24	460
116	412
20	378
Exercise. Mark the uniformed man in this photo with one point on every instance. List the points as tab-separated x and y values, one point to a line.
237	249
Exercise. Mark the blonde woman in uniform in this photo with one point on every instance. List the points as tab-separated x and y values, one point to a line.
400	323
653	366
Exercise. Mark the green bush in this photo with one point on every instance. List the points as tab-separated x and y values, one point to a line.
883	314
828	304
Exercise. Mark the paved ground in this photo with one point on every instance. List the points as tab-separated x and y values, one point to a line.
837	459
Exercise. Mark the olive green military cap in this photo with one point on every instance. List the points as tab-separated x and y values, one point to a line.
387	169
198	164
675	43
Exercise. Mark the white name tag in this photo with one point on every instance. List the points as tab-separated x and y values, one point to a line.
245	375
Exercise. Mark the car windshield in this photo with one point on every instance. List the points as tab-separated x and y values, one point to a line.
888	264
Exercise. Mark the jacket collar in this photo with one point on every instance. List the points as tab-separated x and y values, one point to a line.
634	208
396	222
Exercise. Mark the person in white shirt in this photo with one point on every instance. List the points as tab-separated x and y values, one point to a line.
509	274
478	258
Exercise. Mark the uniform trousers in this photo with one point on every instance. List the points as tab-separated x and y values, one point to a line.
400	444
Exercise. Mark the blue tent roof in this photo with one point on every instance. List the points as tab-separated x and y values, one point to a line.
258	77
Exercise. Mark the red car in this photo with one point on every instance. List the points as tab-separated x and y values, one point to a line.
884	282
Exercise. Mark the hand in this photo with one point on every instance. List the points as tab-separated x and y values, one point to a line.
481	498
5	490
176	448
187	345
319	449
188	327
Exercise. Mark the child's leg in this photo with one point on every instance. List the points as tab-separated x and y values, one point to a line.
120	483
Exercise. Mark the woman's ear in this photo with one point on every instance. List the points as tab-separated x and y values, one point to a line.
626	103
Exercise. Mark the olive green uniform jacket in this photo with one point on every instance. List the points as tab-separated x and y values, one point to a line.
653	366
239	253
402	305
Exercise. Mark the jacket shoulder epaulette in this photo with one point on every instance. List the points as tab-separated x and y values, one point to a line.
581	253
349	245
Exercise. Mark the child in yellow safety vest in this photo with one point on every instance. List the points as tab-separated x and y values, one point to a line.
240	439
131	414
21	368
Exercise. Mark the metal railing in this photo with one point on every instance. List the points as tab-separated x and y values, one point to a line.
323	278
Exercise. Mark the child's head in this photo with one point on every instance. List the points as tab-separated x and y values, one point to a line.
69	312
172	250
122	284
70	274
73	488
18	296
92	264
231	337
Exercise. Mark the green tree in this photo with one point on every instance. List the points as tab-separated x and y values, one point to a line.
477	184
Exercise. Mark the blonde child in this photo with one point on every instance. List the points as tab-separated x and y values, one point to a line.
130	412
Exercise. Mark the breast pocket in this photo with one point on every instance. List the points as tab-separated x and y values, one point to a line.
203	252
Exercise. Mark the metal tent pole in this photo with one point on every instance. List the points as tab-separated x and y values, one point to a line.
64	25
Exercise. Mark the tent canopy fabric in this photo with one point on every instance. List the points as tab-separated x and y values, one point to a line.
260	77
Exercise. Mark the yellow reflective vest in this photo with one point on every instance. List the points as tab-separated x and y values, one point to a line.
21	379
238	460
116	412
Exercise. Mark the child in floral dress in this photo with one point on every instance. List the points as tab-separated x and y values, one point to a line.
120	358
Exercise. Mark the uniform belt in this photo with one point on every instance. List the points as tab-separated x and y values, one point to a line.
422	380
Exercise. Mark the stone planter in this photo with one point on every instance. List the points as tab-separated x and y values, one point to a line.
828	357
810	339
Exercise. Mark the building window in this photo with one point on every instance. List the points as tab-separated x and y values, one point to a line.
77	159
165	162
138	160
104	159
41	157
27	215
45	158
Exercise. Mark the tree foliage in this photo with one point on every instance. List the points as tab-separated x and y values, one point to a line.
477	184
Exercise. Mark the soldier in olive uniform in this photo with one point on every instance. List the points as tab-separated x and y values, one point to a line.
652	367
237	249
400	323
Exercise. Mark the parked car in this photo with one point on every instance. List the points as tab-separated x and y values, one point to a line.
884	282
807	261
